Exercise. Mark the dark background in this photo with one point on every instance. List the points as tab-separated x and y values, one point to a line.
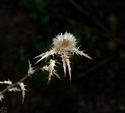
26	30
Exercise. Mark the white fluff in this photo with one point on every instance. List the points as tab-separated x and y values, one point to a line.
64	42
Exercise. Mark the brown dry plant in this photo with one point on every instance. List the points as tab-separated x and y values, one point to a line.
63	46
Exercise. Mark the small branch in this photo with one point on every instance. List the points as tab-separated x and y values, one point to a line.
30	72
17	83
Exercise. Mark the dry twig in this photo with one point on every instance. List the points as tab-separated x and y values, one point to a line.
13	87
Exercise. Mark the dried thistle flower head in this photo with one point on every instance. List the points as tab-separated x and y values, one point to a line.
64	42
63	46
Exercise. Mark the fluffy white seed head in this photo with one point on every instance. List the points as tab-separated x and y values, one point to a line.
64	42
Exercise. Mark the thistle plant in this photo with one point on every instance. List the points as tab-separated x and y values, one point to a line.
63	47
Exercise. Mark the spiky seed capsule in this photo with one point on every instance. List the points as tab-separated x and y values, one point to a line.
64	42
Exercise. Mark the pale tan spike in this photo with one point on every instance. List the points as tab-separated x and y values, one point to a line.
56	75
49	77
82	53
69	68
39	55
39	60
45	55
64	65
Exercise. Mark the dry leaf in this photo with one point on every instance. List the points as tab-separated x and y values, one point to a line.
22	86
6	82
14	89
30	70
1	97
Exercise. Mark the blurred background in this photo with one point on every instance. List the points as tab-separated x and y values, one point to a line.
26	30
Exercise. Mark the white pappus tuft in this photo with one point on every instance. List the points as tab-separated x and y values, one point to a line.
64	42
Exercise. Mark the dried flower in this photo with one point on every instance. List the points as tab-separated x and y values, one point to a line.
63	46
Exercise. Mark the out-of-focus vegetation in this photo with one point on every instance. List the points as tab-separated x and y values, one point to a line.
26	30
36	10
